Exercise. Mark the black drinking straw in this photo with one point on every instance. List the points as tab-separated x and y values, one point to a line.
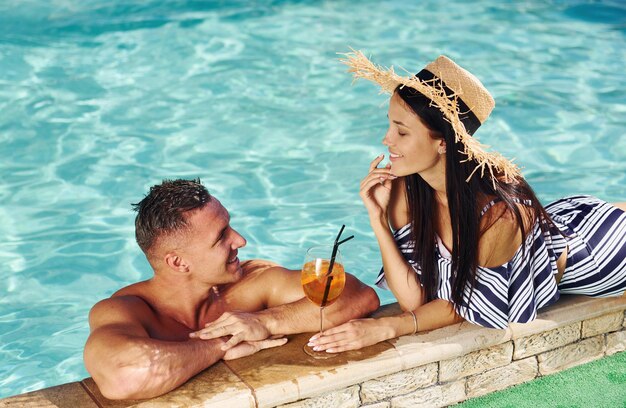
332	263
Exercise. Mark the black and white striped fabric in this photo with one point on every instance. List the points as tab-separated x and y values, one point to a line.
596	264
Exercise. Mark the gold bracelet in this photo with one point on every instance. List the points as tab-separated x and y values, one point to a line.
414	322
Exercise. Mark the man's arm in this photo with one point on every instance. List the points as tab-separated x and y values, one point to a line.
126	363
285	315
288	310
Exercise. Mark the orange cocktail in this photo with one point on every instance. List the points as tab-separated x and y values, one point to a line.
315	277
321	287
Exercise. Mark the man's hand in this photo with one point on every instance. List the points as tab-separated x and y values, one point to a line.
241	326
247	348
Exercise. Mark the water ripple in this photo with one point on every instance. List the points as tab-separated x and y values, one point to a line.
99	100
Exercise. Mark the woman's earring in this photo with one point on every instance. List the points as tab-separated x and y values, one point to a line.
441	149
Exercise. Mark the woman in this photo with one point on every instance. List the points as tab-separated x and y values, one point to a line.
471	241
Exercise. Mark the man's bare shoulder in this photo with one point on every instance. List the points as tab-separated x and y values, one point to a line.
259	271
255	272
138	289
120	309
255	267
265	284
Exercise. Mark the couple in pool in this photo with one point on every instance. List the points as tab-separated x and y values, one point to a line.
461	233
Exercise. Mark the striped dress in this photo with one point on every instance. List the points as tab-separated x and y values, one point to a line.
595	236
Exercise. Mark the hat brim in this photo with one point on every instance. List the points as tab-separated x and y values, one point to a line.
492	162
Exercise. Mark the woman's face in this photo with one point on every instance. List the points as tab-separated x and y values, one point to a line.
411	148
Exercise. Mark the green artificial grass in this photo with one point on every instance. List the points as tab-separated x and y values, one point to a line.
601	383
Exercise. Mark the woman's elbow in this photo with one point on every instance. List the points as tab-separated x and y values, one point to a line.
409	305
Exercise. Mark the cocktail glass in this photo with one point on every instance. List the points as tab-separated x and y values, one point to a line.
320	287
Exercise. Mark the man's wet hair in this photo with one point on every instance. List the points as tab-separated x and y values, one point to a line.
162	211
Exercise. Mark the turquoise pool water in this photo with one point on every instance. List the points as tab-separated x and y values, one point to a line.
101	99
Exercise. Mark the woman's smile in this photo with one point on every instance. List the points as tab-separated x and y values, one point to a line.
394	156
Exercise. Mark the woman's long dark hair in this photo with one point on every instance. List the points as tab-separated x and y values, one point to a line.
463	205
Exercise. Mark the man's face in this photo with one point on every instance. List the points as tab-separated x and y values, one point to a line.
210	245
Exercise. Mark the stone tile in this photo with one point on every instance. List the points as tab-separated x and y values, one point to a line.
62	396
286	374
544	341
399	383
567	310
446	343
215	387
615	342
572	355
501	378
435	396
476	362
383	404
603	324
345	398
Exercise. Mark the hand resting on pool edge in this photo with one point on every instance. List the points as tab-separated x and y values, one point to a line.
141	343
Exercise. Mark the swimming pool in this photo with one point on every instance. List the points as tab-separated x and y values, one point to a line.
99	100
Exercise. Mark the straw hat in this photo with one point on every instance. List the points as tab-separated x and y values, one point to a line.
461	97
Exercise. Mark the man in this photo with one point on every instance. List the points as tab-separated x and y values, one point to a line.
152	336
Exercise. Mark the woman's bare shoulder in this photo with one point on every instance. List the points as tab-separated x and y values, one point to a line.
501	236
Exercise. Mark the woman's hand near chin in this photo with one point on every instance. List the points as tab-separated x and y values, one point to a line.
353	335
375	190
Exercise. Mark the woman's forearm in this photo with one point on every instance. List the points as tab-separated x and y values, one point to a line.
400	276
432	315
436	314
359	333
